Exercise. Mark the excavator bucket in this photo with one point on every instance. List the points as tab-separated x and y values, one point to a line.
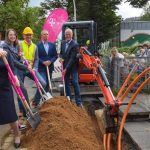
105	121
101	119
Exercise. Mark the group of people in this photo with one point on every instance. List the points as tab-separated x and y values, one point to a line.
143	50
122	63
39	57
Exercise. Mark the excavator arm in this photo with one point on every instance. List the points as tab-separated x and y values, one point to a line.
94	64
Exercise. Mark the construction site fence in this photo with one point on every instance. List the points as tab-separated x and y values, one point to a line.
118	70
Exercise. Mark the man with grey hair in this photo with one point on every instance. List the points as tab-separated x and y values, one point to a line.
68	56
47	56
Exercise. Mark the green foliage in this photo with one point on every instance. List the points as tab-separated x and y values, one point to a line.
102	12
4	2
138	3
146	15
129	50
10	13
16	14
49	5
31	17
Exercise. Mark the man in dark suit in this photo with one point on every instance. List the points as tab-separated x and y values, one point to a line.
47	56
68	56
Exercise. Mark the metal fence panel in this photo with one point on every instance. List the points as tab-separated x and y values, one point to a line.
118	71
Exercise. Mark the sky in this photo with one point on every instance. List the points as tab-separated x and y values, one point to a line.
125	10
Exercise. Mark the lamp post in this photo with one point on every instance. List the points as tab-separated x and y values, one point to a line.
74	10
75	18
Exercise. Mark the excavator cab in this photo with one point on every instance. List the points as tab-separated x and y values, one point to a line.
85	34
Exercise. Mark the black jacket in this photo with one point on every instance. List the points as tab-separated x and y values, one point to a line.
70	56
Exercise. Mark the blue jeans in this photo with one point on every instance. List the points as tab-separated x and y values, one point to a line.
40	78
74	74
43	74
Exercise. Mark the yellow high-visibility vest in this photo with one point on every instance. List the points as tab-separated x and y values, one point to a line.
28	51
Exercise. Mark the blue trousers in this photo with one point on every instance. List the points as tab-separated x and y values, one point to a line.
40	78
43	74
74	74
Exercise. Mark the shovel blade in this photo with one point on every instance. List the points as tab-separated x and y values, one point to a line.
49	95
34	120
61	88
46	96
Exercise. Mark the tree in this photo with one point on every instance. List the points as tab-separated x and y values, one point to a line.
146	15
11	14
138	3
31	18
49	5
16	14
102	12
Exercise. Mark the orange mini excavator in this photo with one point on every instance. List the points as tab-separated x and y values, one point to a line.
90	66
91	70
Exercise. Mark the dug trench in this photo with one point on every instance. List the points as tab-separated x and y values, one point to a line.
64	126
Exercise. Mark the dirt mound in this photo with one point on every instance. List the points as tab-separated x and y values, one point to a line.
63	127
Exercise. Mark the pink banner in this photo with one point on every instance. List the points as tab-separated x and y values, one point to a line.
54	22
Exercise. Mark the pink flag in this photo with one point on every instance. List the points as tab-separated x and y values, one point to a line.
54	22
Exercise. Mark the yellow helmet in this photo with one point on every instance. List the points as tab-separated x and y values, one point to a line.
27	30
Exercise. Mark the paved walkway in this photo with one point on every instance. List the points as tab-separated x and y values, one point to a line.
139	129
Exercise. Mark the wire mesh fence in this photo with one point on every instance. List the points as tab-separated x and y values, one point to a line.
118	69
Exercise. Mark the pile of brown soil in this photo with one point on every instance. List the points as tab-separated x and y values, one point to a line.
64	126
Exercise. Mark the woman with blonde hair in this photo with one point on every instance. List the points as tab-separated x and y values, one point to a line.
116	62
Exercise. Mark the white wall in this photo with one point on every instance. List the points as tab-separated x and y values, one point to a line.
125	34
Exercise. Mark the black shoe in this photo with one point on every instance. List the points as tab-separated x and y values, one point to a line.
17	145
